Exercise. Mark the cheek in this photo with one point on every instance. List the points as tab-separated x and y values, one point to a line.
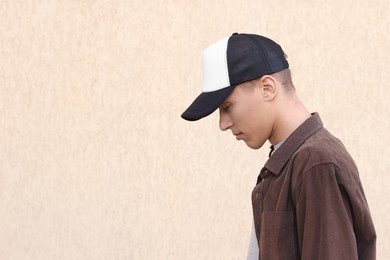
255	120
260	127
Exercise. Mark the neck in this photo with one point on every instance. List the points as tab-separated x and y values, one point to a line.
291	115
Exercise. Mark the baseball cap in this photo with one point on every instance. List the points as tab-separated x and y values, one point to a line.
231	61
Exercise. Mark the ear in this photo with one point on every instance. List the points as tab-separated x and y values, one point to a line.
268	86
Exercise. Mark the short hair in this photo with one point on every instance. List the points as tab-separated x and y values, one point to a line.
284	77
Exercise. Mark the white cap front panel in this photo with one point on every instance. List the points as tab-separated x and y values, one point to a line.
215	70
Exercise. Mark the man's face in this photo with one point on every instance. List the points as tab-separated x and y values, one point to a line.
247	115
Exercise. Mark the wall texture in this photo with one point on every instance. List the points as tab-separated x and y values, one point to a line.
95	161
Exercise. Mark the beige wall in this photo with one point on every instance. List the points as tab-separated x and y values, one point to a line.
95	162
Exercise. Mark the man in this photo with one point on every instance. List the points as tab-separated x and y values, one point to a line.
308	202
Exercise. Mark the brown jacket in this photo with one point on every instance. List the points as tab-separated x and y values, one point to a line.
309	202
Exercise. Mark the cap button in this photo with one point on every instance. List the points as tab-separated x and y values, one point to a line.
235	33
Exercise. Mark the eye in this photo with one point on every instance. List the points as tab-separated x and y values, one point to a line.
226	107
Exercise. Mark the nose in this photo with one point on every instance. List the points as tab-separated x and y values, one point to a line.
225	121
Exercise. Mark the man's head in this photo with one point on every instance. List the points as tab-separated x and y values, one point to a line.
247	77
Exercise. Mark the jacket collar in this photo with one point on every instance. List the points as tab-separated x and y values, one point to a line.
281	156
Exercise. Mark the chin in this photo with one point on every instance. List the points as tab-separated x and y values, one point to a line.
254	146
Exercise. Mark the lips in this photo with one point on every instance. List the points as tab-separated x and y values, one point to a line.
238	136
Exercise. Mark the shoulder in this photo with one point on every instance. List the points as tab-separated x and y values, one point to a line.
323	148
322	154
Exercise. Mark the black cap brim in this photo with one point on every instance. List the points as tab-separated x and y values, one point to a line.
206	103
